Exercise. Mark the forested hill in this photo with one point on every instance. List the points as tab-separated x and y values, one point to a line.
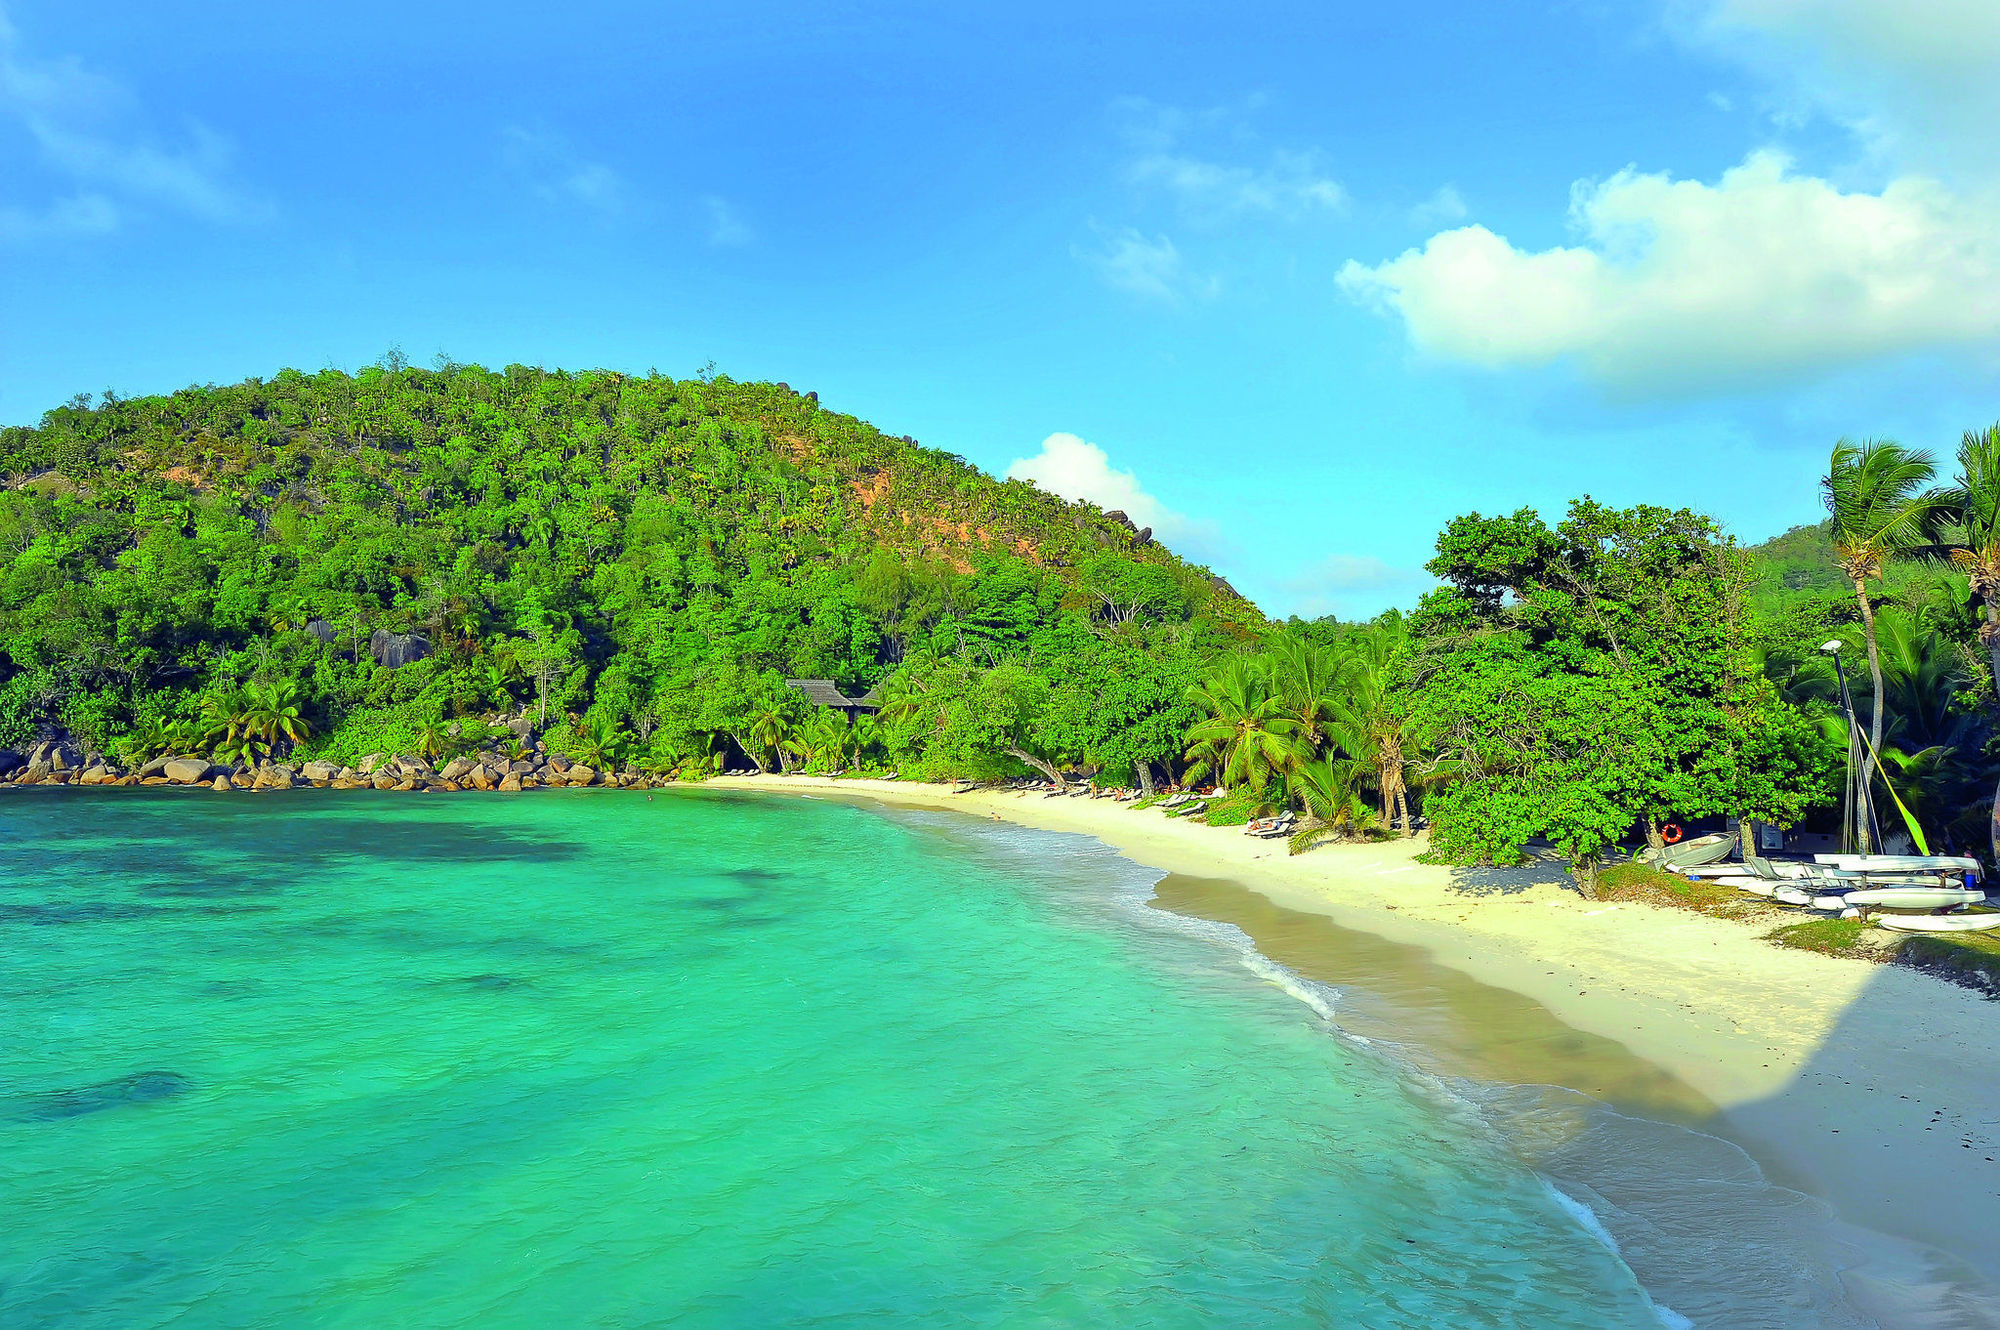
641	560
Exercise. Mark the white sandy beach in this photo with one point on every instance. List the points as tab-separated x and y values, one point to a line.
1874	1087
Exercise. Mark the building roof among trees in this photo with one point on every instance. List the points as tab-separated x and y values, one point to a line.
823	692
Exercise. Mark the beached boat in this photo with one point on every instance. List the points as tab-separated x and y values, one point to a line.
1690	853
1902	865
1912	898
1940	923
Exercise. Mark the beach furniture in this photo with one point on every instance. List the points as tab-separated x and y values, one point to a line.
1271	827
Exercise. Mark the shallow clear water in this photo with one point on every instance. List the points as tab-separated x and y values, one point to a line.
590	1058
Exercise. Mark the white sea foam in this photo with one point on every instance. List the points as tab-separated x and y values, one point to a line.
1585	1216
1591	1224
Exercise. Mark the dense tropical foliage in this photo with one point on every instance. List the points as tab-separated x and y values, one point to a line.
634	564
627	569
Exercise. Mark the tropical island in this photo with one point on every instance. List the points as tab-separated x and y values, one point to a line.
448	580
458	576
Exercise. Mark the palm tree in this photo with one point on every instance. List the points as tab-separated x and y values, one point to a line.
1974	504
1368	726
862	735
1246	737
600	743
152	738
272	709
432	740
825	739
228	731
1330	792
772	728
1310	679
1875	493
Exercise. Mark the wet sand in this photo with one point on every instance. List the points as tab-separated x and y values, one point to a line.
1874	1088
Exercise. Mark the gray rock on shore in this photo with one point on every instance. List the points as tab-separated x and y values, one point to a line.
187	770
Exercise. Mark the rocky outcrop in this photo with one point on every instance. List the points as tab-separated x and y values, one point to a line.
66	764
396	650
186	770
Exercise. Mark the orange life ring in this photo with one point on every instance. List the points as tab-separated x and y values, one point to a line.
1671	833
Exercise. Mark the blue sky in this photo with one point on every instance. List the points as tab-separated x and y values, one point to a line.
1294	283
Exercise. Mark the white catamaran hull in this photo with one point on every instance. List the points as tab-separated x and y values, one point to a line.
1914	898
1899	863
1939	923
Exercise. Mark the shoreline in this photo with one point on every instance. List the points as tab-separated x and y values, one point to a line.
1805	1061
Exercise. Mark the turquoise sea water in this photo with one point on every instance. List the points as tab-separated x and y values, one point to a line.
589	1058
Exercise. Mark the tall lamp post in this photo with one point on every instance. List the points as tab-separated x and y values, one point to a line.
1857	803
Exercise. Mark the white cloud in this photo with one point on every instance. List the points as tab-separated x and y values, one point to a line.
1074	469
725	228
1688	285
1352	584
1146	266
1441	208
90	130
1914	78
1282	183
78	215
555	170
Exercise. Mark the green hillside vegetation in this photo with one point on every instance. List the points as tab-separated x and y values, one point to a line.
640	561
626	570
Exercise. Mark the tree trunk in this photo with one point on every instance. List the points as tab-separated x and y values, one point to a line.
1039	765
1989	633
1403	809
1746	840
1654	840
1996	821
1865	833
1145	770
750	752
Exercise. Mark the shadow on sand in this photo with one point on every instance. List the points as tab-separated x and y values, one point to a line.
1779	1212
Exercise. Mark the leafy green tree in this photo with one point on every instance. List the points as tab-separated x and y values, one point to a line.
1582	679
